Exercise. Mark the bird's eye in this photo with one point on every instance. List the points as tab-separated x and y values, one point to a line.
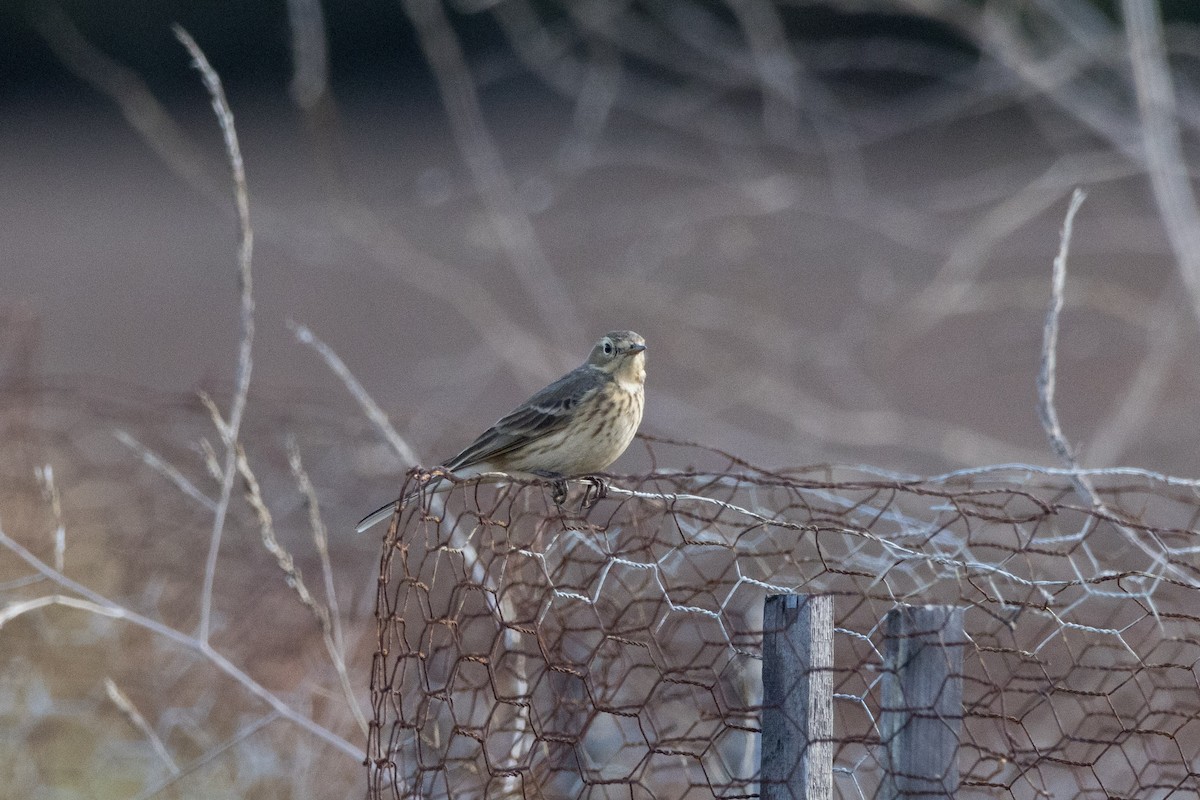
608	348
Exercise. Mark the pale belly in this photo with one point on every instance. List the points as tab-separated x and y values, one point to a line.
589	446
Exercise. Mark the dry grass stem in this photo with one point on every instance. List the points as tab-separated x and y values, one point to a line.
295	580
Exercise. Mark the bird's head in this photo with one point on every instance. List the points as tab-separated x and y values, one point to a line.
621	354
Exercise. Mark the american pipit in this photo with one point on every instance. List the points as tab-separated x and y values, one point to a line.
576	426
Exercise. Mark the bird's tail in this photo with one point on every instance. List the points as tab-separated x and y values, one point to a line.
375	517
385	511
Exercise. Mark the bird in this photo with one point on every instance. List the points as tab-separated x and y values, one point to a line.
573	428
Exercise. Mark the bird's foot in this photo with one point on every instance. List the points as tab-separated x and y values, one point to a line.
595	490
558	485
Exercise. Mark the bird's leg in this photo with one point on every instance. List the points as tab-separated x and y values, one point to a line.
596	490
558	483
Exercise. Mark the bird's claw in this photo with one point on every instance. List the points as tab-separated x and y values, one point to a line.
558	486
595	490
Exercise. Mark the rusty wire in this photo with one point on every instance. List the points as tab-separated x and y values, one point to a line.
613	648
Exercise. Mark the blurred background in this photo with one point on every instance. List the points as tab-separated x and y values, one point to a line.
834	224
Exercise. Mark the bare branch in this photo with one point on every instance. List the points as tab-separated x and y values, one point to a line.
1049	414
1049	363
241	196
167	470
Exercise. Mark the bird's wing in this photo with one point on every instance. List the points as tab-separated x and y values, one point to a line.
546	412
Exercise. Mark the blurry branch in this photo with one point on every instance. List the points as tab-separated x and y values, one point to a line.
126	707
18	607
139	107
1064	75
1079	40
475	303
1129	416
1160	139
710	412
86	599
311	92
207	451
167	470
806	414
544	287
683	63
310	53
953	283
295	581
207	758
598	94
368	405
786	87
151	121
777	70
241	196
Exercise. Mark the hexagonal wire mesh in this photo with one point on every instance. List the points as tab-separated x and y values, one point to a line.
614	649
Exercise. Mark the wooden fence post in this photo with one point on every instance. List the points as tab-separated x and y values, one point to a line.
797	721
921	708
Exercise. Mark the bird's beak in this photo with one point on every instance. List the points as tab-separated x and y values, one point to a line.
635	348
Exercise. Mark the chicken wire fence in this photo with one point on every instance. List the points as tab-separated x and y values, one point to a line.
612	647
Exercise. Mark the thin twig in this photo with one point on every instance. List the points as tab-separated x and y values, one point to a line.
95	603
126	707
372	410
241	197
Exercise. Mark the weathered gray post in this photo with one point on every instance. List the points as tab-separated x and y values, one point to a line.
921	708
797	721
